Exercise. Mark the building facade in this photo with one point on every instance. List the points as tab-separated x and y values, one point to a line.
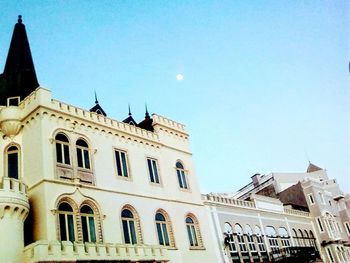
298	217
85	187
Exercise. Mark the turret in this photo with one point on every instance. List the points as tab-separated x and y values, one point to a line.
14	208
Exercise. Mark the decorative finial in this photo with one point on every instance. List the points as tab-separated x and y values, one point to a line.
129	110
20	19
96	101
147	114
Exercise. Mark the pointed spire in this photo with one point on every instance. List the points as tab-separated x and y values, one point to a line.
96	101
19	77
129	110
97	108
147	114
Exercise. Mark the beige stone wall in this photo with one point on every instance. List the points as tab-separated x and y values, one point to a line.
42	117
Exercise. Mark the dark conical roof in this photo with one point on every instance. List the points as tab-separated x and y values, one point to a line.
97	108
18	78
313	168
130	120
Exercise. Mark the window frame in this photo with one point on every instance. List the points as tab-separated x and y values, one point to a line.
62	150
83	150
66	214
260	239
232	246
240	238
347	227
183	175
168	225
311	198
120	151
320	224
129	234
250	238
85	218
153	161
6	160
193	229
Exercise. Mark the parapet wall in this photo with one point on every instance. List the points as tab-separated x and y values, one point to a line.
13	198
54	250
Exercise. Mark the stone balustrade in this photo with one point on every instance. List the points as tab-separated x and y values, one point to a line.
48	251
13	185
247	204
296	212
227	200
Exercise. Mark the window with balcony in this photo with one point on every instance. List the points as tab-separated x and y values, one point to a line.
164	229
88	224
259	239
240	238
283	233
66	219
229	239
129	229
250	238
272	237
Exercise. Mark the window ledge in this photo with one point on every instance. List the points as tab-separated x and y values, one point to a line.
85	170
197	248
186	190
62	165
124	178
171	248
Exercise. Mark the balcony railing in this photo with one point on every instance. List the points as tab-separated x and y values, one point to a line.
228	201
294	254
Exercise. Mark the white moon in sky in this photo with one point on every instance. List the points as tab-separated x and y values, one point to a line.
179	77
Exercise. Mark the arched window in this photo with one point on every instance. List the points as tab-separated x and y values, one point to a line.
164	229
259	239
229	238
129	229
62	149
193	231
306	239
83	155
88	224
181	176
240	238
301	238
283	233
312	239
295	237
249	232
12	154
66	222
272	237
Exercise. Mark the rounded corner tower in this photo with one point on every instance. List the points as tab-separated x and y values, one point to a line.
14	208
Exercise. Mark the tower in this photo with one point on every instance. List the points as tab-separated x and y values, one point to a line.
14	208
17	81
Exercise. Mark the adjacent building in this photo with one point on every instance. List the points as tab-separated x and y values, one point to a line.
283	216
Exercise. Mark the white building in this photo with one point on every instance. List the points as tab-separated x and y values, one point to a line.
90	187
309	206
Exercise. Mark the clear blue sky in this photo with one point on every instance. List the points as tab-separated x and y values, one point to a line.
266	82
